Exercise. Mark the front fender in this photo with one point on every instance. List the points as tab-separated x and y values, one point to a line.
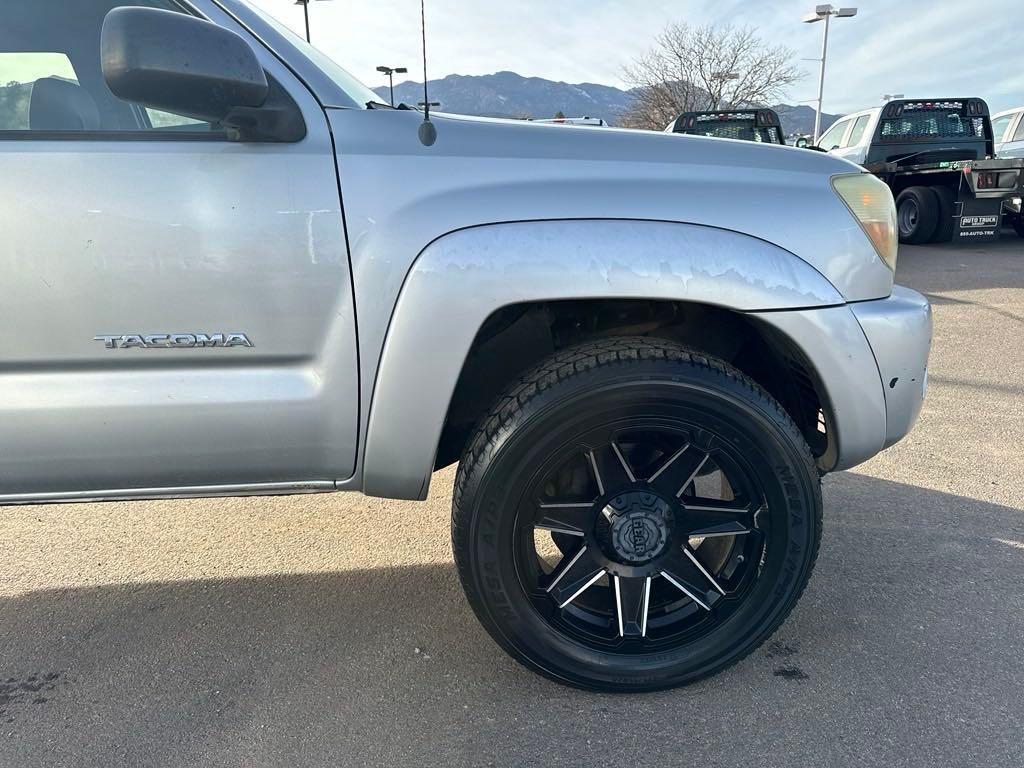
462	278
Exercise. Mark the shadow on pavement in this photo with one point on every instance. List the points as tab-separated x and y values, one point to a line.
906	650
948	267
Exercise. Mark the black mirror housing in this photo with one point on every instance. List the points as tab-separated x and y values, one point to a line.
188	66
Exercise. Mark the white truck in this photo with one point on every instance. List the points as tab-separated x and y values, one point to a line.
939	157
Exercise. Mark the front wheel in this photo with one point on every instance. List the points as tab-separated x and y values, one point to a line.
634	516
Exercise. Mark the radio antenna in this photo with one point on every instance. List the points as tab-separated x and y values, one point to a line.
428	132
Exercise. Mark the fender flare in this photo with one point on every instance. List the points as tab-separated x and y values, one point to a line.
463	277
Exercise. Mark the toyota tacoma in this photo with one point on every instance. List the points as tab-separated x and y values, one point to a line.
229	270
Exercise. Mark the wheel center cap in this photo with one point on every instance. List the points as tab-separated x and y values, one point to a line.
640	524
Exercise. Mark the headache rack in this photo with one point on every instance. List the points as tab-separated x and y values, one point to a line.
941	120
758	125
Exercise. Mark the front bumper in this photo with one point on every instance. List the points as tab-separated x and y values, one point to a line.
899	332
871	363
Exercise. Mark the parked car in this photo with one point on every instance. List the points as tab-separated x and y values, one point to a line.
760	125
937	157
1008	133
228	270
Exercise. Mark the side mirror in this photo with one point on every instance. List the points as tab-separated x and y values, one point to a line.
802	142
177	63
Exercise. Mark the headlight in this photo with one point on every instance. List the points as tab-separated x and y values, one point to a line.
870	201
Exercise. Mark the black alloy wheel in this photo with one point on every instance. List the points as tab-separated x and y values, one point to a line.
671	531
634	516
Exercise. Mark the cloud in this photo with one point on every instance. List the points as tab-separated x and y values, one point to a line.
922	48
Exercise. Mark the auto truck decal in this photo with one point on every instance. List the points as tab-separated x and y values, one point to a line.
978	221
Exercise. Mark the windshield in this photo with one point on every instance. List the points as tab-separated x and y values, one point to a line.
358	92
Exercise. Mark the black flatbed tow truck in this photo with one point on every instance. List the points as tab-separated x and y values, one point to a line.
937	156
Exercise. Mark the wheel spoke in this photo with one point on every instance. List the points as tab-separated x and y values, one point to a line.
573	576
692	557
686	573
712	517
571	518
611	470
631	600
678	471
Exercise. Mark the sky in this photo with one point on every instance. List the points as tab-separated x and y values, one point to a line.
926	48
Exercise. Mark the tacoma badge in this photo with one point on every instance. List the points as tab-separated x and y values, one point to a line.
174	340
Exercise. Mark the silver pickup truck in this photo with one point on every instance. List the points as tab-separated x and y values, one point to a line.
228	271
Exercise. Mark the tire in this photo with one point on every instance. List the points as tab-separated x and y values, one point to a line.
917	211
946	224
617	409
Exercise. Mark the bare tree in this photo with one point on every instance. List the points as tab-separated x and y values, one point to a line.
705	68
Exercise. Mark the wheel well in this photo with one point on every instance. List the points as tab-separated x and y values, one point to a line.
516	337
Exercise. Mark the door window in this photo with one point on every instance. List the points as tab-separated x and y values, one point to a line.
857	134
18	72
833	136
51	80
160	120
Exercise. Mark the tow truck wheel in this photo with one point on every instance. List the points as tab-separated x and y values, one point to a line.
917	212
632	515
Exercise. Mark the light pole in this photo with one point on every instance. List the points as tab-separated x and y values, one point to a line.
722	78
391	72
305	11
824	12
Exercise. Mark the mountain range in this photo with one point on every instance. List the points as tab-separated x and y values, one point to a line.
507	94
503	94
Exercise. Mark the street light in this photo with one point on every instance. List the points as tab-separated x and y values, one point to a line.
305	11
721	78
890	96
825	12
391	72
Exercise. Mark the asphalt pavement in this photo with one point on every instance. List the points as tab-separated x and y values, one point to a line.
331	630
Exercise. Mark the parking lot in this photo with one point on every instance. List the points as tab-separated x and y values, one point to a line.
331	630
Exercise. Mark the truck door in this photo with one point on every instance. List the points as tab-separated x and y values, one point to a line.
177	306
